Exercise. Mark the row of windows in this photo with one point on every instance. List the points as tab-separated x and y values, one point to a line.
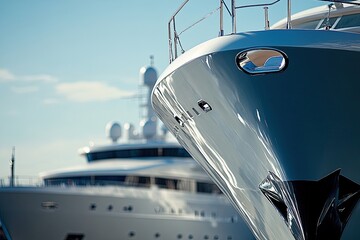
132	234
188	185
138	153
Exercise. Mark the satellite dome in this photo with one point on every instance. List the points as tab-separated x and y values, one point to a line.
149	129
113	131
148	75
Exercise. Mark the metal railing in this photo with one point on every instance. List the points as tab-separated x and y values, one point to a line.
173	34
18	181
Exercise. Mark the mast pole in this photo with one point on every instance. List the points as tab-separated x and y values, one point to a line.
12	166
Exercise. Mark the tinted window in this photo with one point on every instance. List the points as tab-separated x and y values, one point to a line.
307	25
138	153
329	22
166	183
139	181
349	21
202	187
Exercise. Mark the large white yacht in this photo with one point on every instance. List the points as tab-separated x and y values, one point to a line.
273	117
147	187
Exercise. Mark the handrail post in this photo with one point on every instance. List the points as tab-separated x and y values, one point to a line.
175	35
267	25
233	16
221	33
288	23
171	57
175	39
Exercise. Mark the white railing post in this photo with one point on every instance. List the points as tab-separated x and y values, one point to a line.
221	33
233	16
267	24
288	23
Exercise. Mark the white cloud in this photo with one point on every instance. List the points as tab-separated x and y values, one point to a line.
6	75
39	78
51	101
90	91
82	91
26	89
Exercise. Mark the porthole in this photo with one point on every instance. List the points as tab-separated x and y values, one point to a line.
49	205
179	236
128	208
262	61
131	234
204	106
93	206
157	235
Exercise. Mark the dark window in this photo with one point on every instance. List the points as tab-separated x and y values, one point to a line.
108	180
203	187
307	25
139	181
74	236
79	181
328	23
139	153
352	20
166	183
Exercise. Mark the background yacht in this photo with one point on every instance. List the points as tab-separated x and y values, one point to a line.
145	188
273	117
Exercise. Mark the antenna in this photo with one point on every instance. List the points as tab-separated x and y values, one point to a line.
12	165
151	60
148	77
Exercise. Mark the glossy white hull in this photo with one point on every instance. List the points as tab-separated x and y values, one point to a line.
299	124
93	213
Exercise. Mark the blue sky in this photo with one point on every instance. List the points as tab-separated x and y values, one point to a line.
66	66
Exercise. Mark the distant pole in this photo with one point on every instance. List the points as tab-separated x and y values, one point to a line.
12	164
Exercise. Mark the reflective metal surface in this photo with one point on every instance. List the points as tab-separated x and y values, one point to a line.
262	61
299	124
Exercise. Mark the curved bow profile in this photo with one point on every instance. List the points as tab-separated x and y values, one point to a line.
273	117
